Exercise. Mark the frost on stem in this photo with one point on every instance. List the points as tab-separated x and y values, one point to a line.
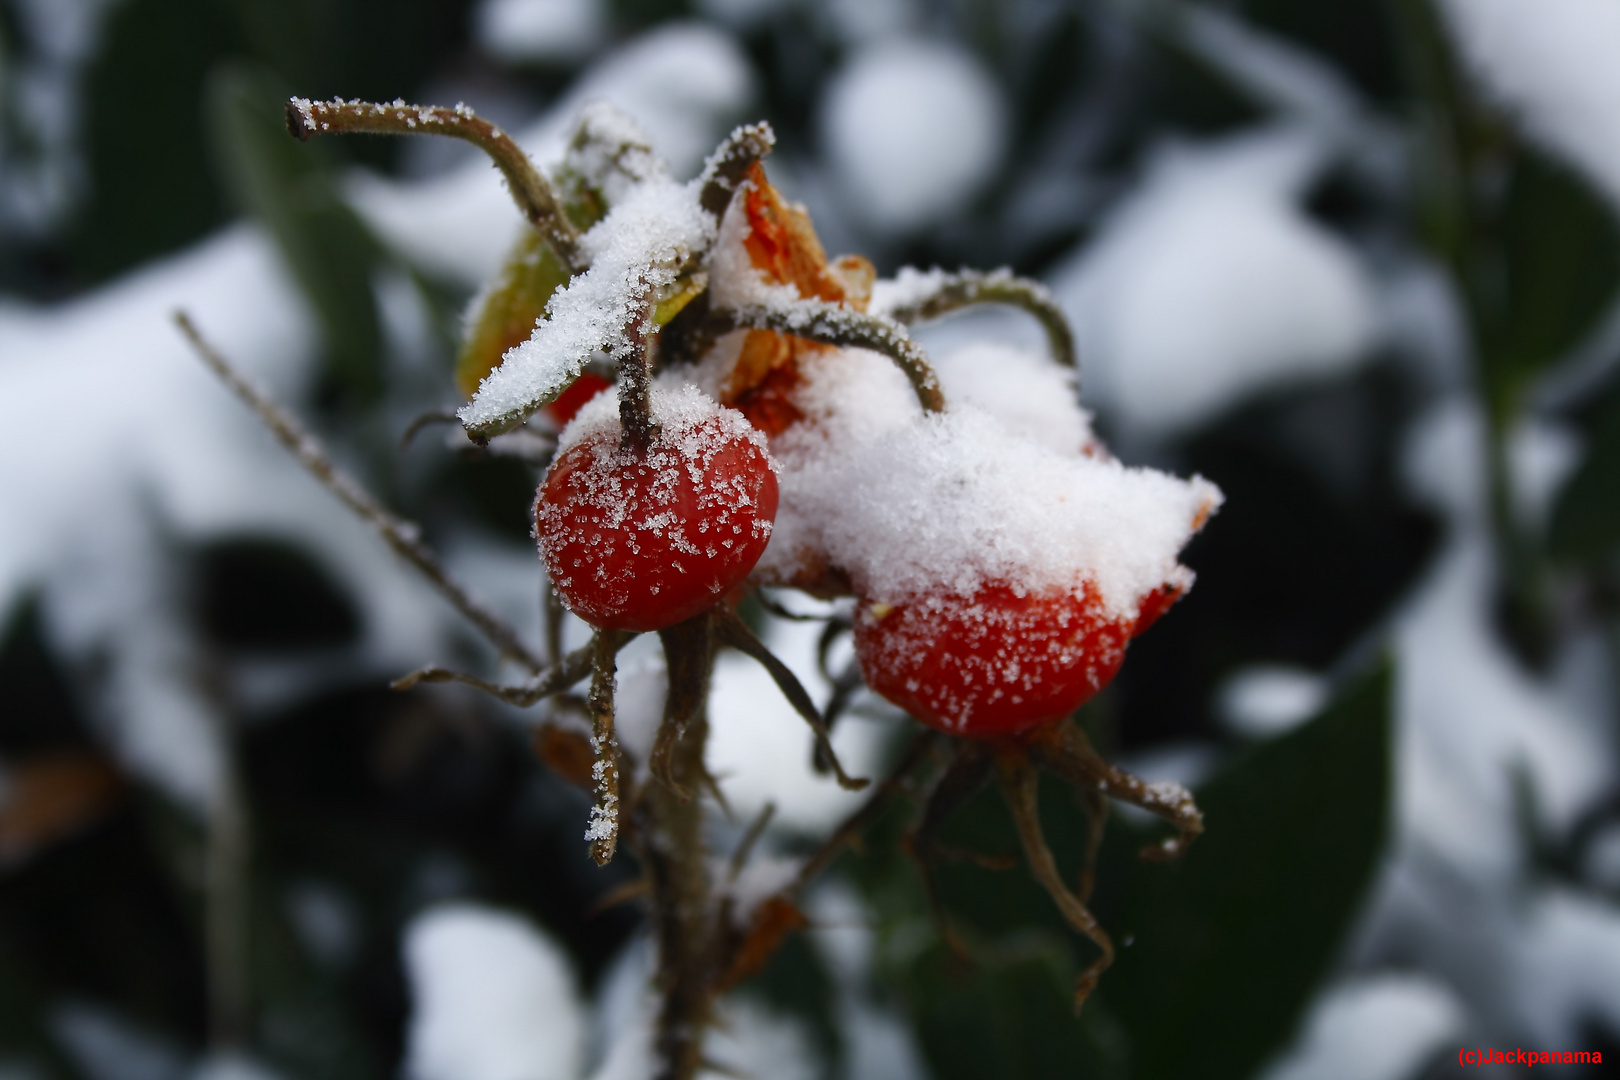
833	324
914	296
603	829
730	163
528	187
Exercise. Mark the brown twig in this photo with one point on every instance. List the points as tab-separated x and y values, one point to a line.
832	324
965	288
603	830
552	680
398	534
918	752
529	188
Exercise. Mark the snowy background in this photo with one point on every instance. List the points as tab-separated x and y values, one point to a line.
1354	261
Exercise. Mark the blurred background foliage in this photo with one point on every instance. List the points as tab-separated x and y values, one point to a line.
350	808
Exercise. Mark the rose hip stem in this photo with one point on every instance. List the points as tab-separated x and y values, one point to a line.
525	182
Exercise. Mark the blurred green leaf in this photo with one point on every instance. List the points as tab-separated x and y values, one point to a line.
1010	1013
1559	268
149	188
288	188
1227	946
1586	518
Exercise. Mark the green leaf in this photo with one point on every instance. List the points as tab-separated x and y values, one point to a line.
286	186
1586	518
1227	946
1010	1013
1559	268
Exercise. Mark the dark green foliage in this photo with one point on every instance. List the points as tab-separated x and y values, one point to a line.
289	188
1230	943
258	594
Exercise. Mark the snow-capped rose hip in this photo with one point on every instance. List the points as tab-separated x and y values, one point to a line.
997	662
640	539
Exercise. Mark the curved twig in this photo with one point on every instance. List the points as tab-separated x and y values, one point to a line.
730	162
529	188
945	293
553	680
832	324
734	632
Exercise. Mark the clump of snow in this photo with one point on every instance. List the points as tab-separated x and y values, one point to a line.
1381	1027
638	249
492	999
1024	390
1210	283
611	153
686	84
1268	699
734	280
909	504
913	129
1552	64
543	30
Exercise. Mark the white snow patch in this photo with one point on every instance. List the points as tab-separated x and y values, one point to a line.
1026	391
908	504
492	999
1209	284
913	129
638	249
543	30
1551	62
1381	1027
1269	699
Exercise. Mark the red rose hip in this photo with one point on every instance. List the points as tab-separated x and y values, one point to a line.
998	662
641	539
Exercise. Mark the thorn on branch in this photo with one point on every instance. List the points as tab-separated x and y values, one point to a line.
528	187
735	633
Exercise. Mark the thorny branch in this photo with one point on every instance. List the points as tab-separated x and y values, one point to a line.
402	536
528	187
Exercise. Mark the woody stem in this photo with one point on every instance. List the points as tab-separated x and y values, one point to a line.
528	187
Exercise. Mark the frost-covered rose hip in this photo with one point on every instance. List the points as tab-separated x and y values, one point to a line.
995	662
641	539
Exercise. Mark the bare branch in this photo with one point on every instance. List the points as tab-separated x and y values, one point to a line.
953	292
529	188
402	536
745	847
833	324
